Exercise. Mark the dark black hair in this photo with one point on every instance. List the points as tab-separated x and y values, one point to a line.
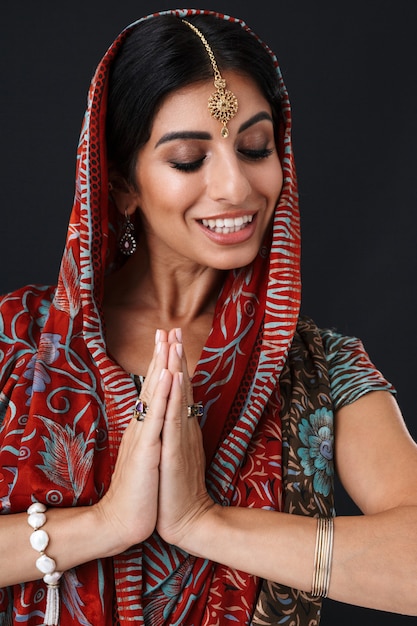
161	55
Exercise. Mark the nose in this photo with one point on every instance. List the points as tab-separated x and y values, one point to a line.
227	178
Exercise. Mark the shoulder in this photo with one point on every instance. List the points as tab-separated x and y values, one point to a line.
351	370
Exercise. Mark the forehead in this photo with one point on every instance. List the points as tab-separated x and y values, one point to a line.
187	108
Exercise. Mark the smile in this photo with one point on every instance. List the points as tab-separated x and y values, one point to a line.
227	225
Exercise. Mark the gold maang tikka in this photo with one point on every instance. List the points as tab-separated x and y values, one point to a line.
223	103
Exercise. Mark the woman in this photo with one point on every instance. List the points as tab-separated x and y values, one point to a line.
201	508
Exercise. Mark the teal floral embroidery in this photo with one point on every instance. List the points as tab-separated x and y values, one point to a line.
43	312
36	371
316	433
68	455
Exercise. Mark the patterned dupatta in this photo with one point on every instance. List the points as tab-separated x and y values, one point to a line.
64	405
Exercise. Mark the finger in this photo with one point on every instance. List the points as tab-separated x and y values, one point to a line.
158	405
161	336
175	335
178	427
187	385
153	421
177	361
176	409
175	357
158	363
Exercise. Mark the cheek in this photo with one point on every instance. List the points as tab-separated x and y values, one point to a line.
278	180
270	182
279	183
168	186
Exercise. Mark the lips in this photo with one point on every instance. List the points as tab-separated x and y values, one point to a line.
225	226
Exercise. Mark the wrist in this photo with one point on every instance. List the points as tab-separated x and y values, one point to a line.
113	537
200	537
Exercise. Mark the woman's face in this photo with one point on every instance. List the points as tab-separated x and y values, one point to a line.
202	197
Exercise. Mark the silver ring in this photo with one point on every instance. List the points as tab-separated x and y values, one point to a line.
195	410
140	410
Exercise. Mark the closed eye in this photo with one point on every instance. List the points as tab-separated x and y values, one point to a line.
193	166
256	155
188	166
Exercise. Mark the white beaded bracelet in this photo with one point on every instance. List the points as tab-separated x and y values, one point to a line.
39	540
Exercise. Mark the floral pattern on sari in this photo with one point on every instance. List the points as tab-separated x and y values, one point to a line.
65	404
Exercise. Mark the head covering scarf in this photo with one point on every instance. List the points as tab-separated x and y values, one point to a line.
65	403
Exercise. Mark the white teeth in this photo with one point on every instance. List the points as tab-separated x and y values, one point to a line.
228	225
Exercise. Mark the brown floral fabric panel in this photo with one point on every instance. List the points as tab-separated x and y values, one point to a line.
307	433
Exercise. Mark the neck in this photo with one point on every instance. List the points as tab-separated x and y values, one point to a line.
178	291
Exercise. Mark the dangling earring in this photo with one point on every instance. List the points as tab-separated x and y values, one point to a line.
127	241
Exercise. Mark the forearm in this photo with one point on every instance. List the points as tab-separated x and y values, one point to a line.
374	557
76	535
375	560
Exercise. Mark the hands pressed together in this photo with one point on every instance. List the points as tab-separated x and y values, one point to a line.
159	478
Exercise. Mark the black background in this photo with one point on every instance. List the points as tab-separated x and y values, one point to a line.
350	68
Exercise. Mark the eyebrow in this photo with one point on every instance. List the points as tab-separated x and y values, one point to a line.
258	117
182	134
192	134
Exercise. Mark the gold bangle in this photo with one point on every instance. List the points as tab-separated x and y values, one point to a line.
323	557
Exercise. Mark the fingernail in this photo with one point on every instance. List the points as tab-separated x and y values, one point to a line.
178	334
158	347
162	374
180	378
178	347
157	334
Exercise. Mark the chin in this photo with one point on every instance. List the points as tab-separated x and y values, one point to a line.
233	261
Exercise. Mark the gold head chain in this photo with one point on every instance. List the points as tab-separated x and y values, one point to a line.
223	103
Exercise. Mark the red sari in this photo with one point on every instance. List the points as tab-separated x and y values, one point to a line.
64	405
